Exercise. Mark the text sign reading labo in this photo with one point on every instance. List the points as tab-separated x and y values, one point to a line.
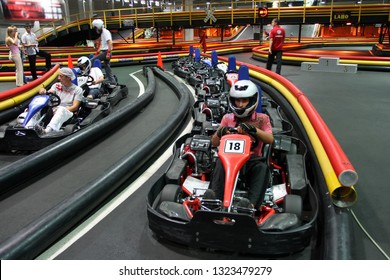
234	146
341	16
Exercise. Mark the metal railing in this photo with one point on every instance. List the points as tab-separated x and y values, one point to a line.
192	16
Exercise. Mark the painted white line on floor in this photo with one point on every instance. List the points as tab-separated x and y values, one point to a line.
86	226
140	84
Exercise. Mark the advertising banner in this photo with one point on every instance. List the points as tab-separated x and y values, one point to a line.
32	9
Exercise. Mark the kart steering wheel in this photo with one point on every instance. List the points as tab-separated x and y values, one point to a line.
54	100
90	80
255	140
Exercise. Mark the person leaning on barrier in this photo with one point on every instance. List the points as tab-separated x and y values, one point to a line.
30	44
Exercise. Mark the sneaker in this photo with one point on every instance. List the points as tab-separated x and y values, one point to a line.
39	129
112	85
209	194
245	203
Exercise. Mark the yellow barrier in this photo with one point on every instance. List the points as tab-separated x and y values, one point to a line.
341	196
16	100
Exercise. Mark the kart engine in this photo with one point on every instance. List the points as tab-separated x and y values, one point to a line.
197	150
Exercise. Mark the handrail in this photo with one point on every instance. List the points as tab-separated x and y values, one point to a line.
249	15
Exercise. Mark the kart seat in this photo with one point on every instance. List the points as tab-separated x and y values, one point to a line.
76	71
96	63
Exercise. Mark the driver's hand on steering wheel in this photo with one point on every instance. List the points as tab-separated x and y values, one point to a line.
246	128
42	91
223	130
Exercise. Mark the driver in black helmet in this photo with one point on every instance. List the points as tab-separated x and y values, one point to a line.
91	76
243	100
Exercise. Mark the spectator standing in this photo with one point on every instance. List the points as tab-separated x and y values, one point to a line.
12	43
104	48
22	54
30	43
203	41
276	41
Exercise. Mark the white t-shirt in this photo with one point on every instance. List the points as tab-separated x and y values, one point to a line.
67	94
106	36
95	73
30	39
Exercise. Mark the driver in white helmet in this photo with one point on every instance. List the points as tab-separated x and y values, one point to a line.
104	48
91	76
243	101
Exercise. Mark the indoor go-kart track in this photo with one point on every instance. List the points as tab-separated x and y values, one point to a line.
354	106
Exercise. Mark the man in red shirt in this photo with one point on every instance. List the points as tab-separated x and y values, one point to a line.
276	40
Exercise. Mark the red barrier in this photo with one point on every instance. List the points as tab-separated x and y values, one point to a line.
340	162
19	90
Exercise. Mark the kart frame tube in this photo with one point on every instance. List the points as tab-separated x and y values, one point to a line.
30	241
16	173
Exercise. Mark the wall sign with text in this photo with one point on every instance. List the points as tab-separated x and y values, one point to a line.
341	16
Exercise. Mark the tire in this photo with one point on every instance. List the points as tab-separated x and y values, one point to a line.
170	192
293	204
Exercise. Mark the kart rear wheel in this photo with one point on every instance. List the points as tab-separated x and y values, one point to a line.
293	204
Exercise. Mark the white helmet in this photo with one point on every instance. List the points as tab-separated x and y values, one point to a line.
98	24
244	89
84	64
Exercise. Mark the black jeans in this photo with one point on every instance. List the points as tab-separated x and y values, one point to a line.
255	175
32	59
275	55
103	56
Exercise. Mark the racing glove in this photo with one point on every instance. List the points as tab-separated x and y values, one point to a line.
108	55
222	131
249	128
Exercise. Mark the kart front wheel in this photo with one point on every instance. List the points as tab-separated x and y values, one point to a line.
170	192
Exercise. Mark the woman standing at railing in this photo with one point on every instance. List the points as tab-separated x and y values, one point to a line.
12	43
